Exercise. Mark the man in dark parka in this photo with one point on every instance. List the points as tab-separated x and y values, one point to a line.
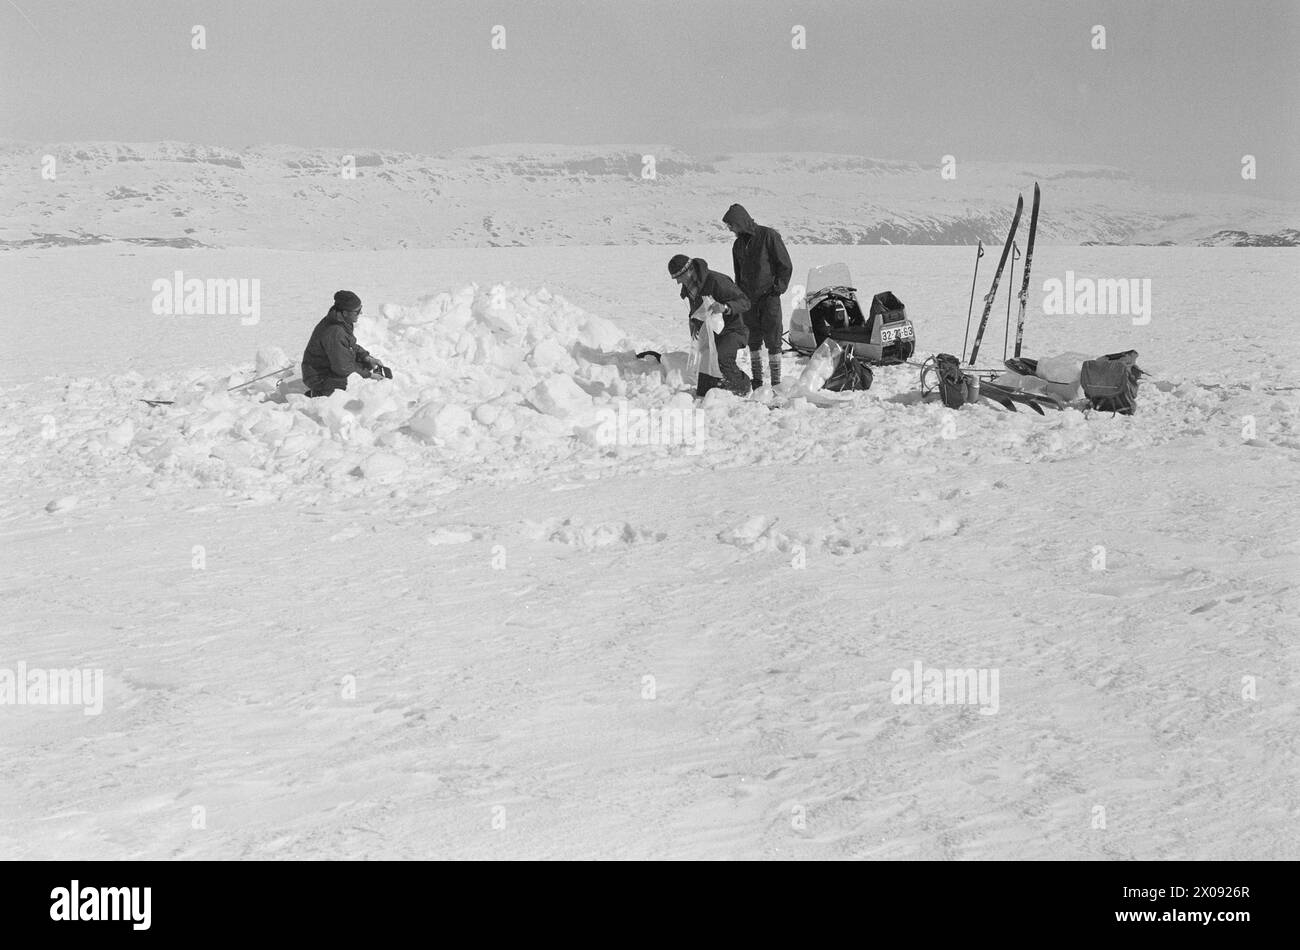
762	268
333	353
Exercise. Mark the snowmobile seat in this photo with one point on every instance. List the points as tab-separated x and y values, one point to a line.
834	312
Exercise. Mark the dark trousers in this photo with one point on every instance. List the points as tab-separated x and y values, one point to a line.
324	387
763	320
729	343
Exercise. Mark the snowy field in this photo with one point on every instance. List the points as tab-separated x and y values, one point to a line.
442	617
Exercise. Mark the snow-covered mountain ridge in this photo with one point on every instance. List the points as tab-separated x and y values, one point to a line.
186	195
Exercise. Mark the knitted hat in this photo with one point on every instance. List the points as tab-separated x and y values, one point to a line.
346	300
678	265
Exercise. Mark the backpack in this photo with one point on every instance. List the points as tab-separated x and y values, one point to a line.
1110	382
952	381
851	373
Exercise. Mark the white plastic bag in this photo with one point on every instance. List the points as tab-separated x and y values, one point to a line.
704	357
820	366
1062	374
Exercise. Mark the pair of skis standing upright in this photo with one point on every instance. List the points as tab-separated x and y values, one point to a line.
997	277
1002	394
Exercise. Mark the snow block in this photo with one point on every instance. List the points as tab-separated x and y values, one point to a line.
435	421
269	359
559	396
382	467
549	356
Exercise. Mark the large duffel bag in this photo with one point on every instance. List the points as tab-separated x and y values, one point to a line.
1110	383
851	373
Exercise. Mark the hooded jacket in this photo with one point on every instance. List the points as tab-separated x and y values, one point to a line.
722	289
762	265
333	353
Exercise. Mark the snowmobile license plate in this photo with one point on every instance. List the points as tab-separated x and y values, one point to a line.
893	334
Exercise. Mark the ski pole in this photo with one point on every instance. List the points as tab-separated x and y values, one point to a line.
970	306
1011	282
172	402
277	372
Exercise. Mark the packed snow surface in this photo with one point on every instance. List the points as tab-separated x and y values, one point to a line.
529	598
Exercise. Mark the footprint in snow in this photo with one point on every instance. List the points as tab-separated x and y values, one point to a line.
454	534
590	537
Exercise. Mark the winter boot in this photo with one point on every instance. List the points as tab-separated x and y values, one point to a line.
774	368
755	369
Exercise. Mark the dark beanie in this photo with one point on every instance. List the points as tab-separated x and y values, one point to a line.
677	263
346	300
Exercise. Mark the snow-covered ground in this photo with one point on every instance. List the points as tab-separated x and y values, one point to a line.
445	617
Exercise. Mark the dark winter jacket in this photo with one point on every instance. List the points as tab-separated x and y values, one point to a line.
332	354
762	265
722	289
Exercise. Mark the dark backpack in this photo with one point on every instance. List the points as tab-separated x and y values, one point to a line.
952	381
850	373
1110	382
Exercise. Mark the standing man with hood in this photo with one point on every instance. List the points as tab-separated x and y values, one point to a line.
333	353
762	268
698	282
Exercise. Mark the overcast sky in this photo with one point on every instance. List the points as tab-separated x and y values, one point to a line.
1185	89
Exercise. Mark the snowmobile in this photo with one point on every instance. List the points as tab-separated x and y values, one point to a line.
832	311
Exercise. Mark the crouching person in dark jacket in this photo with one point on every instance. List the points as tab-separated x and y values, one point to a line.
697	283
332	353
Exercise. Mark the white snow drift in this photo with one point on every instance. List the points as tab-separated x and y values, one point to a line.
506	383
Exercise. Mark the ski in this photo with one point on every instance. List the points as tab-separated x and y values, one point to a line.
1002	394
997	275
1024	283
998	398
1011	280
1035	401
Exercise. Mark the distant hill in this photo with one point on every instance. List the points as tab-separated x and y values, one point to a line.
182	195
